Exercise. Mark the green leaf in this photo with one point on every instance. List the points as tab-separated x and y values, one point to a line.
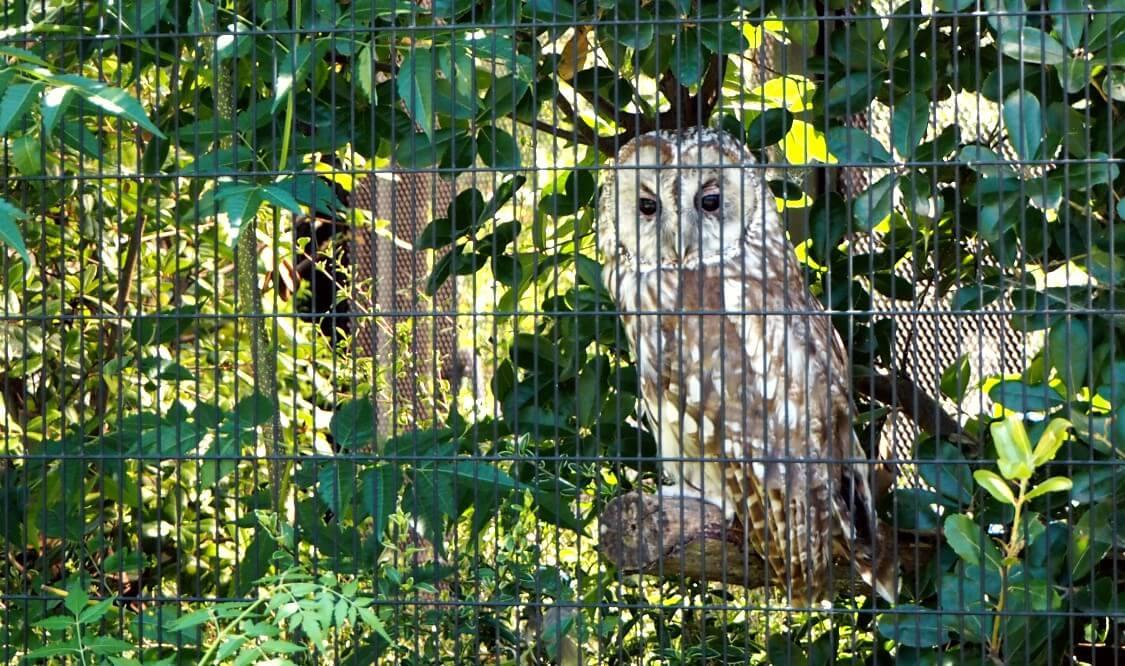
280	197
497	148
1052	439
1074	74
1024	397
913	626
952	5
636	30
55	101
723	38
97	611
909	123
378	497
292	71
353	424
335	484
1069	20
502	196
1013	447
1033	46
851	94
108	645
65	648
55	623
996	486
955	379
769	128
856	147
1023	118
10	232
874	205
1054	484
480	473
76	596
365	73
252	411
1114	83
241	204
415	88
17	98
690	58
113	101
964	537
974	297
25	155
828	224
943	467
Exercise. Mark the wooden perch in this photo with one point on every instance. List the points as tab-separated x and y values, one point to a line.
686	537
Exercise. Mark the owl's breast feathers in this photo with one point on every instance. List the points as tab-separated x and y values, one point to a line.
744	380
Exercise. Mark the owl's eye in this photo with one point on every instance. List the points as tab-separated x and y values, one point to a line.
710	202
649	206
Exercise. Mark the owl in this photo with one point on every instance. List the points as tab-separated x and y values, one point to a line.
743	379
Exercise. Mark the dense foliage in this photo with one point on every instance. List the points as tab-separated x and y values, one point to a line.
160	386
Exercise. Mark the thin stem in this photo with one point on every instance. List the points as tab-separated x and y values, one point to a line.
1011	550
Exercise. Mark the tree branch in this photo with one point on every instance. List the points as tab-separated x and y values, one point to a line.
686	537
916	404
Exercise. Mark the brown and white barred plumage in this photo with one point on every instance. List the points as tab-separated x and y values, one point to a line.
750	405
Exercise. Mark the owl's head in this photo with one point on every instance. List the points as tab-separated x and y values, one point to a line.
679	198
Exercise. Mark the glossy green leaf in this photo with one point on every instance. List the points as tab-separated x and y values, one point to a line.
955	379
1025	397
874	205
769	128
1052	439
1013	448
996	486
1031	45
497	148
909	123
1055	484
1023	118
856	147
913	626
353	424
1069	20
690	58
415	88
967	539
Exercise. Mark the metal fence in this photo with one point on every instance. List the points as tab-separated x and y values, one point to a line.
380	331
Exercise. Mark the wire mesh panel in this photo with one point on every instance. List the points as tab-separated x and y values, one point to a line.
577	332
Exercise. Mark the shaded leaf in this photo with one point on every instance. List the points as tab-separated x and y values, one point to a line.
1032	45
913	626
415	88
965	538
17	98
1023	118
10	234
